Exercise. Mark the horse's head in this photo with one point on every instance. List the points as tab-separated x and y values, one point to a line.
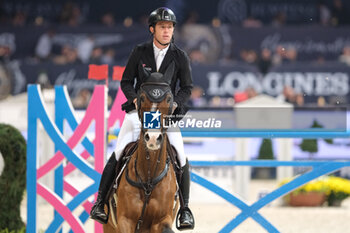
154	104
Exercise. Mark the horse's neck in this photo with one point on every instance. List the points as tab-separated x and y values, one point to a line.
144	165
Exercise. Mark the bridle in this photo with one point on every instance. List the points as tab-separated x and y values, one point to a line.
156	92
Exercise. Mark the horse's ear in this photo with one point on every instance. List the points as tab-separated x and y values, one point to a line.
143	71
169	73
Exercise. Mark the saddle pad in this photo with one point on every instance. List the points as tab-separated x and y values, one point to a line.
124	158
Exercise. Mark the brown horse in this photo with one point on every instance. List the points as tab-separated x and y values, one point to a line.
146	193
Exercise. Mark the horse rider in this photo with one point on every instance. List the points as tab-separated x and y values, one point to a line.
154	56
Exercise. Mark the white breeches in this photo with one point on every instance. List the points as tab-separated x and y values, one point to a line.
130	131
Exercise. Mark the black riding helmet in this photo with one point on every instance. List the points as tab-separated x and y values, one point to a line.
161	14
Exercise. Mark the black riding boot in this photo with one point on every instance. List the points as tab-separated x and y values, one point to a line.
186	217
98	212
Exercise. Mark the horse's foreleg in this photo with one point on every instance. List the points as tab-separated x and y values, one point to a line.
125	225
108	228
163	226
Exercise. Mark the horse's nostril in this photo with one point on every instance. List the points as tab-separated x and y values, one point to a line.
147	137
160	138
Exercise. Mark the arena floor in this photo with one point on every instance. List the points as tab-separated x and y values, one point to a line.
211	216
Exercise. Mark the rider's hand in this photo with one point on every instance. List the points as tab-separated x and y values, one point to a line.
135	102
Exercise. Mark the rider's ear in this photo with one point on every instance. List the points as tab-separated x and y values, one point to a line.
169	73
151	29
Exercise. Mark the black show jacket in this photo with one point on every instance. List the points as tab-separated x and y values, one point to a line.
143	55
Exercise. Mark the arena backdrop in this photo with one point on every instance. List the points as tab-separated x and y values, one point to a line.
330	79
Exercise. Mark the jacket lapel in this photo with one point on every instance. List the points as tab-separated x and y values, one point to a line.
167	59
149	57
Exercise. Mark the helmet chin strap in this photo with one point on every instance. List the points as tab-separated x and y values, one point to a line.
161	42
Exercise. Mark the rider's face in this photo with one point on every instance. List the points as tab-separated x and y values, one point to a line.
162	32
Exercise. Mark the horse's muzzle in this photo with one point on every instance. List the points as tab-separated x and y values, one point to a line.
153	140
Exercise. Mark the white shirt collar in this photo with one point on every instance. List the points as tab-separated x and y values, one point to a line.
157	50
159	55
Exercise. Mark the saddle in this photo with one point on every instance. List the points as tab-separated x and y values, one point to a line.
124	159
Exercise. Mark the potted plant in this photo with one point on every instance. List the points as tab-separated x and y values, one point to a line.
311	145
265	152
338	189
310	194
329	188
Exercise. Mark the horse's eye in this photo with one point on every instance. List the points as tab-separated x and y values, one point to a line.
142	98
168	99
